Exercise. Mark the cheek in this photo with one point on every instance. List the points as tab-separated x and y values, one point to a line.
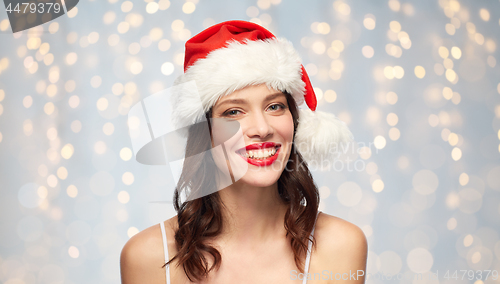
284	126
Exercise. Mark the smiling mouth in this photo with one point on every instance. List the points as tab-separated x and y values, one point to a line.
259	154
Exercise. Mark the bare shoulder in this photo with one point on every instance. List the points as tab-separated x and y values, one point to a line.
341	245
142	257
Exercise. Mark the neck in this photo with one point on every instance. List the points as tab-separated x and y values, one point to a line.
252	214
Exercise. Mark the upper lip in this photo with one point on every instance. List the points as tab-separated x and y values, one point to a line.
257	146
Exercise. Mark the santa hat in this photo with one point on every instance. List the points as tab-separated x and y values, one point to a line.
232	55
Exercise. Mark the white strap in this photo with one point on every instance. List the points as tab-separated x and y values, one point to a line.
165	250
308	257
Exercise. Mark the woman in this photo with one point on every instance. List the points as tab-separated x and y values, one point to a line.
250	213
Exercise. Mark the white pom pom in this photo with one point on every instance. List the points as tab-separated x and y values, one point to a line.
321	135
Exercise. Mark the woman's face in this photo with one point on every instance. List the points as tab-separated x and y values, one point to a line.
258	153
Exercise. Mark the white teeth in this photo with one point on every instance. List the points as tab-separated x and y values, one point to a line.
260	154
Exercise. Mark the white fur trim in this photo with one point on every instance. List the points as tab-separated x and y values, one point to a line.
321	135
273	62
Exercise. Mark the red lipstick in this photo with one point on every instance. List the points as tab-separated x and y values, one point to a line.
257	146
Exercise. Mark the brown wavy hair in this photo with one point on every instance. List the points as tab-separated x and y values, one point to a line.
201	219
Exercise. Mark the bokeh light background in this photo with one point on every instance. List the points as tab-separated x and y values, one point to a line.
416	81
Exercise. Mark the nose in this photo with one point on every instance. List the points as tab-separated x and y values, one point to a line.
258	126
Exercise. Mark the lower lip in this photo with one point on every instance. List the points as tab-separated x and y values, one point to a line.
262	162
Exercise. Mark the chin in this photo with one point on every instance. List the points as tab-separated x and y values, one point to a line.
262	178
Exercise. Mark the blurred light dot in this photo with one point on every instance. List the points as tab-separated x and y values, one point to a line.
152	7
451	75
419	71
52	133
394	133
177	25
125	154
448	63
70	86
164	45
379	142
4	25
319	47
117	89
342	8
395	26
42	192
364	153
93	37
451	224
392	119
127	6
123	197
136	68
450	29
456	52
76	126
109	17
108	128
163	4
425	182
264	4
438	69
67	151
188	7
378	185
74	101
100	147
403	162
51	90
156	33
369	21
367	51
252	12
132	230
71	58
330	96
167	68
391	98
479	38
27	101
456	154
49	108
27	126
73	252
389	72
62	173
52	181
73	12
394	5
72	191
128	178
468	240
349	194
419	260
324	192
443	52
447	93
113	39
453	139
123	27
484	14
134	48
102	104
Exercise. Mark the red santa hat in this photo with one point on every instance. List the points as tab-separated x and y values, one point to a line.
232	55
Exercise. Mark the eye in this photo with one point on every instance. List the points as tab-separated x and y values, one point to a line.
277	107
231	112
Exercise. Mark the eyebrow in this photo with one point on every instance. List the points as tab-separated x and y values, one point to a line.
243	101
